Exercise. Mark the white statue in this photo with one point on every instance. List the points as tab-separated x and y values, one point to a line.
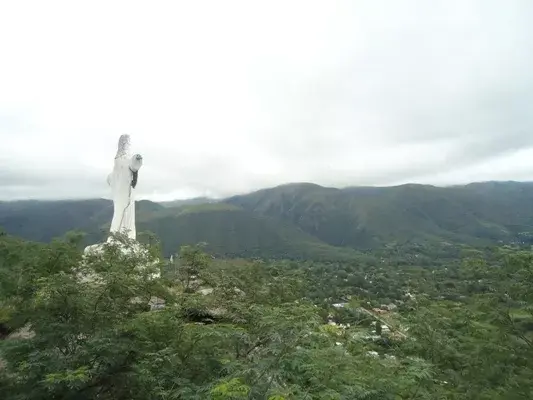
123	181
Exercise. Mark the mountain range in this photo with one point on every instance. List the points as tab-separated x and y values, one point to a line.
301	220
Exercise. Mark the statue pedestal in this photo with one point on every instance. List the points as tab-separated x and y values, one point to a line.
100	247
132	249
94	249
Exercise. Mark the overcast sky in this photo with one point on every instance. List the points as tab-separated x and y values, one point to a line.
225	97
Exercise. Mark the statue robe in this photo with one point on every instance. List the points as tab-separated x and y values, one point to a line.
122	185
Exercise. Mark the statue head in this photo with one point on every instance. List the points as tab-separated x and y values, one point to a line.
124	143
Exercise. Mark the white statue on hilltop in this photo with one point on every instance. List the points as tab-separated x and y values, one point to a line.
123	181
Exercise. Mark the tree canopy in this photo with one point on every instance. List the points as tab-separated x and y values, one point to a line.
92	327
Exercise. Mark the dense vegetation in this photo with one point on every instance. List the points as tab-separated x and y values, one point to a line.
304	221
398	323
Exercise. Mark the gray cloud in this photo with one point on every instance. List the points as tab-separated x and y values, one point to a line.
342	94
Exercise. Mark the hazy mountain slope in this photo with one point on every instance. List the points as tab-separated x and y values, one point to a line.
509	204
302	220
368	216
227	229
44	220
233	231
322	212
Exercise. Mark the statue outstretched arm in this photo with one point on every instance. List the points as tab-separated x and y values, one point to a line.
135	164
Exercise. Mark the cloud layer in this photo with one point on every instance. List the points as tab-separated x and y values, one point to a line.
235	96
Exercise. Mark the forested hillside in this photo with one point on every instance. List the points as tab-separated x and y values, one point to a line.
363	217
372	328
303	221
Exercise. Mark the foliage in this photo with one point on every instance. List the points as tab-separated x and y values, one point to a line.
460	328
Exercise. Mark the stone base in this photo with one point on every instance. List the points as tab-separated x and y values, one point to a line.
99	248
94	249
